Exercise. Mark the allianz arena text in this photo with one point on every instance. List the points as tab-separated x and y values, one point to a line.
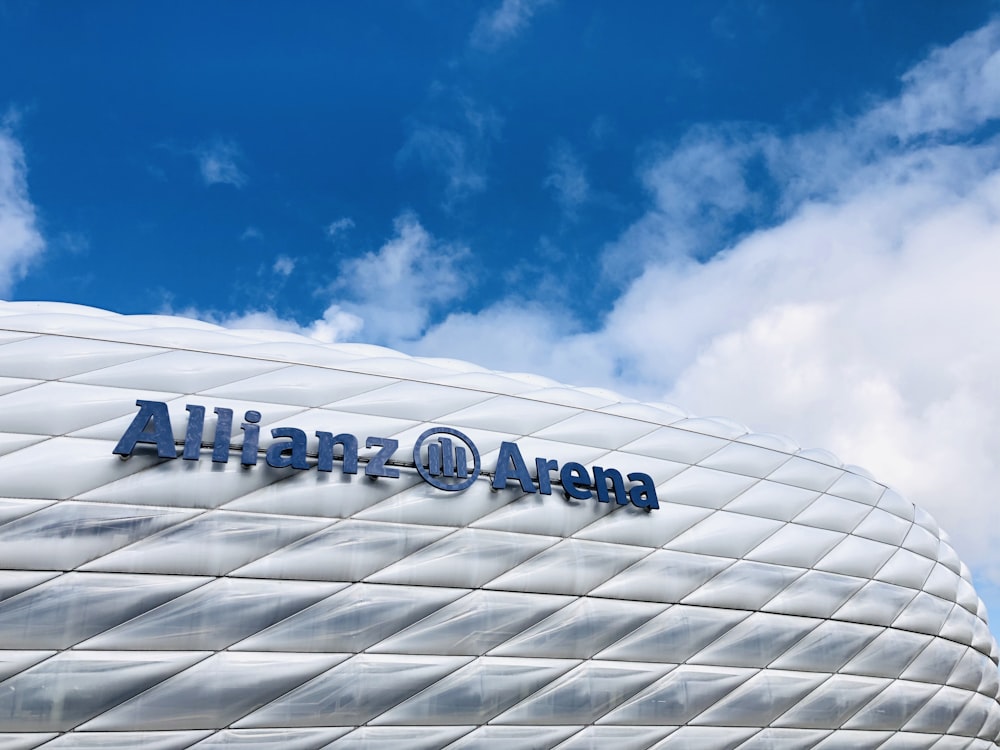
215	538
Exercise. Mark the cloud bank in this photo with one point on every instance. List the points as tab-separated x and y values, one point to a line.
21	240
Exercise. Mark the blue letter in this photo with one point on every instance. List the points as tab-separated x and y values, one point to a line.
162	435
196	424
348	442
223	434
576	481
276	453
601	477
643	495
251	438
542	467
376	464
511	464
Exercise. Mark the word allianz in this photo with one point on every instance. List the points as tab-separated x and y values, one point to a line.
445	467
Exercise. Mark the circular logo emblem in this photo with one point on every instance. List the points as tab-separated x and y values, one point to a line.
447	465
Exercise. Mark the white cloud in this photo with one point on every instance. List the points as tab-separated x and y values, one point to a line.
251	233
283	266
217	162
495	28
567	178
861	316
457	148
21	240
336	228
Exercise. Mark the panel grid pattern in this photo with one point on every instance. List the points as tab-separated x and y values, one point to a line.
777	599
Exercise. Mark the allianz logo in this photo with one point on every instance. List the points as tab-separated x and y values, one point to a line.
443	457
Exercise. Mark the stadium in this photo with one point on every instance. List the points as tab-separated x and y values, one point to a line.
219	538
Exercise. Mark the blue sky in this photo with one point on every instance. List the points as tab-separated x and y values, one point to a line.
784	213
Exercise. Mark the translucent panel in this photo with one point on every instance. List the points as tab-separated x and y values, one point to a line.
922	542
551	515
888	655
502	738
883	526
73	686
759	700
352	620
215	692
572	566
214	616
581	629
674	635
347	551
15	581
74	606
855	487
834	513
893	502
585	398
756	641
942	582
177	371
66	535
909	741
468	557
725	534
782	502
785	739
51	358
706	488
174	483
960	625
680	696
906	568
628	525
893	707
9	443
663	576
717	738
313	493
974	716
844	739
620	738
925	614
354	692
938	659
815	593
745	459
658	413
856	557
394	738
474	624
29	410
211	544
585	694
125	740
796	545
676	445
810	475
969	672
411	400
744	585
297	385
939	712
876	603
271	739
423	504
718	426
478	692
510	415
12	662
596	430
83	465
832	703
828	647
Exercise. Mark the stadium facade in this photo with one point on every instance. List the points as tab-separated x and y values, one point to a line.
215	538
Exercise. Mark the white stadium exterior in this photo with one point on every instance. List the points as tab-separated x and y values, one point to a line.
215	538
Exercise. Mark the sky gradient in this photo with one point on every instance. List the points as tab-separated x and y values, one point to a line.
783	213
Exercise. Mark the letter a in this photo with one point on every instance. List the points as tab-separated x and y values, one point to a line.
510	464
161	435
643	495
